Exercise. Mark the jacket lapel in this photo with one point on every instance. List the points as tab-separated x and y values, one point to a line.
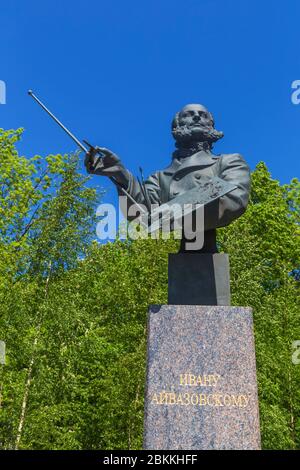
199	160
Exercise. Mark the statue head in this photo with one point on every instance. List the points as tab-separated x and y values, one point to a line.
194	124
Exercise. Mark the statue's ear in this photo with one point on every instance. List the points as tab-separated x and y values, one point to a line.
175	121
211	118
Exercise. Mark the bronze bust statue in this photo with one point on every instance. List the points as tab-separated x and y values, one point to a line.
195	134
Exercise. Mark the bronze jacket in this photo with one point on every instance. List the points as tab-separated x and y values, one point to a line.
186	173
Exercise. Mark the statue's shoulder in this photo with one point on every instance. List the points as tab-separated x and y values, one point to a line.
229	159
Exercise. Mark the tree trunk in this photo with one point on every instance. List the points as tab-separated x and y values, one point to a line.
29	375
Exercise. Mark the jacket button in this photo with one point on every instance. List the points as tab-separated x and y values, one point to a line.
197	177
177	178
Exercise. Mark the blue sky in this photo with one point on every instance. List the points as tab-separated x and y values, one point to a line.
116	71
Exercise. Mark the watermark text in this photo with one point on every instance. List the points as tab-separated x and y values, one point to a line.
2	92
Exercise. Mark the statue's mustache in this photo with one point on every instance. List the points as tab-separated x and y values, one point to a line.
197	124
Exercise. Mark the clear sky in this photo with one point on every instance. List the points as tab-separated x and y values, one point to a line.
116	71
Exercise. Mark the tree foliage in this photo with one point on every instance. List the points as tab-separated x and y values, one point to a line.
73	312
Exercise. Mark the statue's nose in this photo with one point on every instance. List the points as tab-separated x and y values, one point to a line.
196	117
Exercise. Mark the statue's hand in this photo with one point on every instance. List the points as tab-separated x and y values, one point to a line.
108	165
102	165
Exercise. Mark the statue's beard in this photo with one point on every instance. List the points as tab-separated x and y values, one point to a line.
187	136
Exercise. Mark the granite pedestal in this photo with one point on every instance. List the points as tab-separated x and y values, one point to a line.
201	390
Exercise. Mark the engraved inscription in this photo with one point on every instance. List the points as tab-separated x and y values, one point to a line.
200	399
199	380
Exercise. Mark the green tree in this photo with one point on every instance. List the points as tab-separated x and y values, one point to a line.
48	215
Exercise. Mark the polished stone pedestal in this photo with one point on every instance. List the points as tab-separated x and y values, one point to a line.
201	390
